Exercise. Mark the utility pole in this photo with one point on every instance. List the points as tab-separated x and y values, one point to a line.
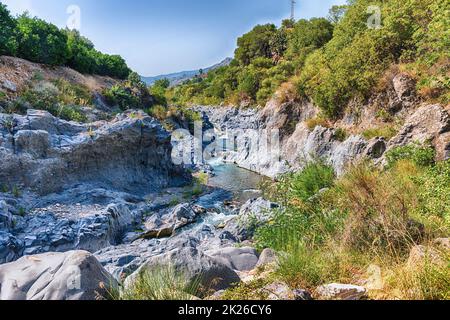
293	2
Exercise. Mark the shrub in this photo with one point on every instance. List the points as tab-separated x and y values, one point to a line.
8	41
318	121
313	178
340	134
421	155
159	283
434	192
387	132
158	111
427	281
121	96
40	41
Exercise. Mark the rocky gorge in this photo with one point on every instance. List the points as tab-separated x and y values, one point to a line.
84	207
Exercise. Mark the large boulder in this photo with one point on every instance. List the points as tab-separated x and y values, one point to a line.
430	123
240	259
254	213
59	228
34	142
211	273
74	275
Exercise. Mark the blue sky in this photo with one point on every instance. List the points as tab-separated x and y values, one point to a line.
163	36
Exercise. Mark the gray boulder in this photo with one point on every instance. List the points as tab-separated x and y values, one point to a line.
33	142
239	259
336	291
211	273
253	214
74	275
173	219
428	123
267	257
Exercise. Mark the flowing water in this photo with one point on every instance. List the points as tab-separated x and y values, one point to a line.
231	184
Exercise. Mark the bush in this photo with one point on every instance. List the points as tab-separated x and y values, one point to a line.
159	112
313	178
421	155
121	96
318	121
62	103
42	42
159	283
387	132
8	40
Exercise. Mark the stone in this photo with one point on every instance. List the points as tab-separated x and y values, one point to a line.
267	257
336	291
420	255
156	234
404	86
254	213
302	295
174	219
212	274
428	123
128	154
6	219
34	142
73	275
9	85
278	291
239	259
11	248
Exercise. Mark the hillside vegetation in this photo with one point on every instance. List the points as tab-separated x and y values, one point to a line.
332	61
38	41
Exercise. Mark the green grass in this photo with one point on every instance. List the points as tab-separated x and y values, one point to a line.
387	132
369	216
159	283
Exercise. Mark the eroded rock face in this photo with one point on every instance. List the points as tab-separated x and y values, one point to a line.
74	275
430	123
275	140
46	154
78	186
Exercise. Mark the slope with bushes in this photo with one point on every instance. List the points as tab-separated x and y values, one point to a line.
38	41
341	229
336	60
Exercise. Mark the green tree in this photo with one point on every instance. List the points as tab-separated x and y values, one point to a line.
336	13
309	35
81	52
256	43
41	42
8	42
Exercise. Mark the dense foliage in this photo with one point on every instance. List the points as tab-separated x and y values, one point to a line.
368	216
39	41
8	41
332	61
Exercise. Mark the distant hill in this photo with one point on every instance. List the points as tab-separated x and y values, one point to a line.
180	77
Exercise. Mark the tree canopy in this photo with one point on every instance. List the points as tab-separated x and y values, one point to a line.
36	40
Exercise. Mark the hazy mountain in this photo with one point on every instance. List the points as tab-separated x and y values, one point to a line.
180	77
